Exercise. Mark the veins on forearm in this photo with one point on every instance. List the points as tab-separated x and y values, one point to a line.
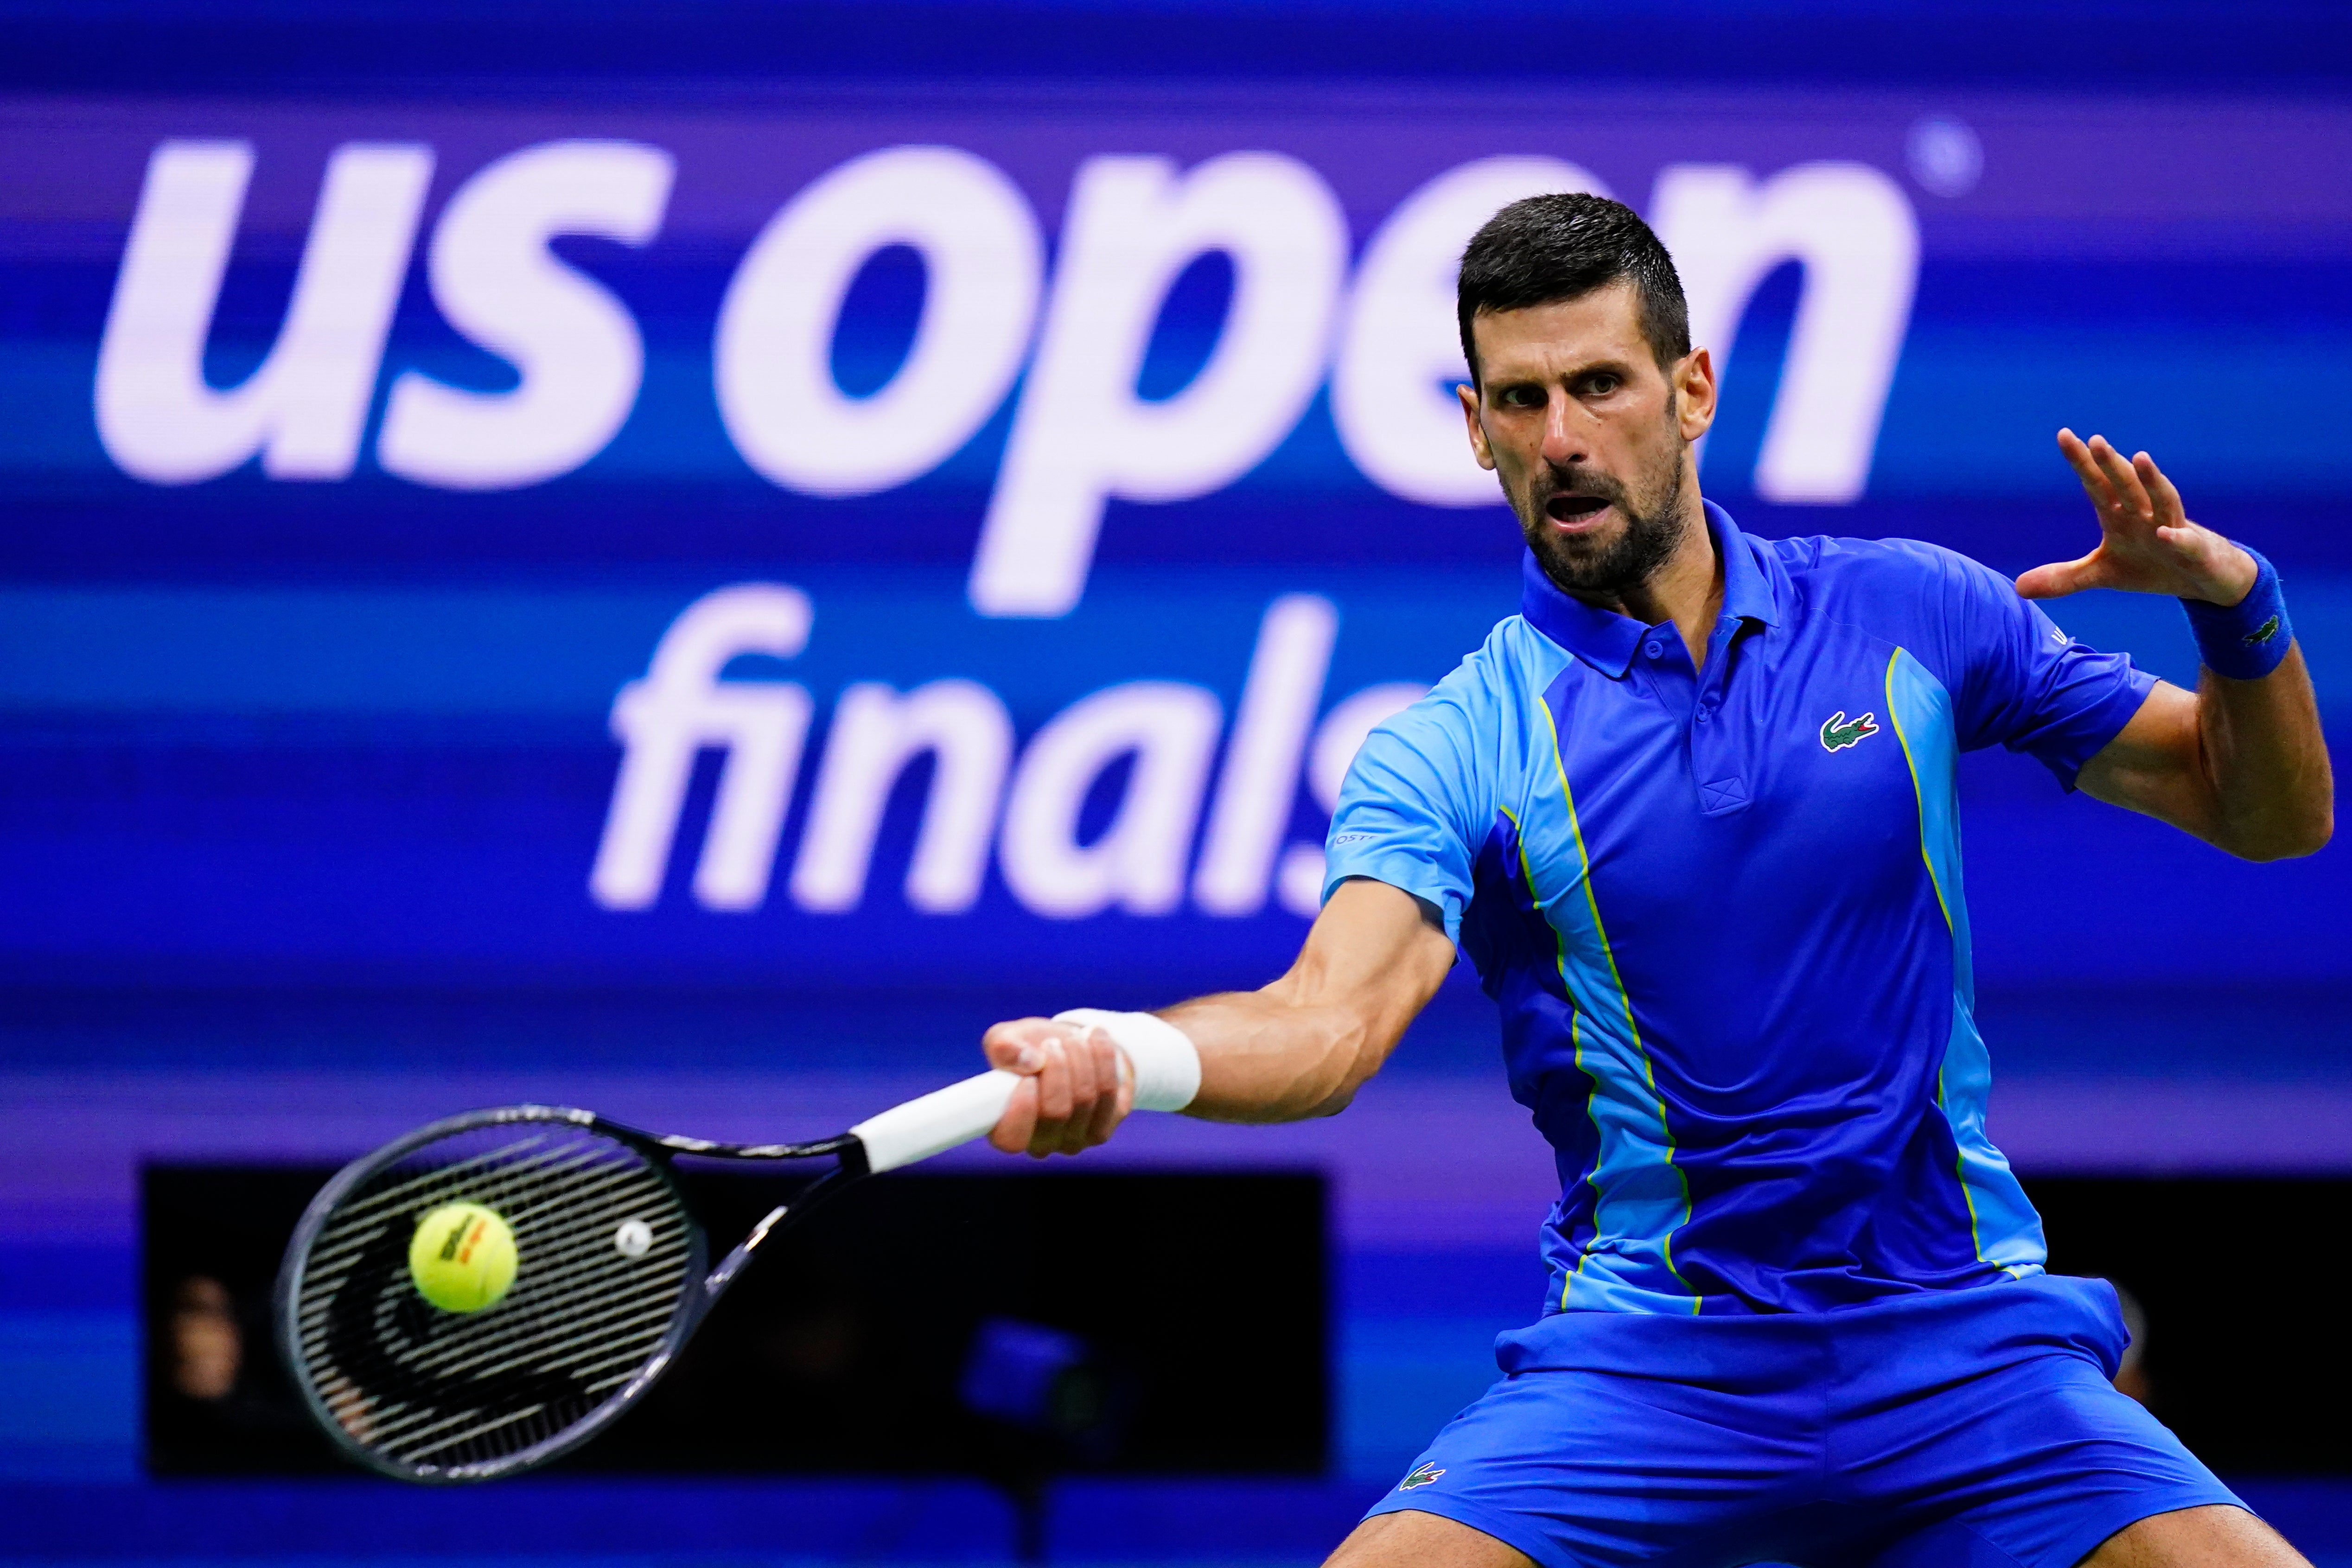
2264	762
1265	1059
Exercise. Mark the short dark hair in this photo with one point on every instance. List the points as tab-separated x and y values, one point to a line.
1548	249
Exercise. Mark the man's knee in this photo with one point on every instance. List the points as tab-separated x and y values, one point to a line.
2215	1536
1416	1539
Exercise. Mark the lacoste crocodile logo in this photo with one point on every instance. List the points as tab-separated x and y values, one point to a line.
1422	1475
2261	634
1837	734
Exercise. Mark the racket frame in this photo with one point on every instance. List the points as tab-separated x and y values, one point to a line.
695	1301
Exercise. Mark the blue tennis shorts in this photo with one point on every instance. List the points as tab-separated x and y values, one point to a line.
1973	1428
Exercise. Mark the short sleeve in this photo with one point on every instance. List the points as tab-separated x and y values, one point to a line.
2027	685
1406	811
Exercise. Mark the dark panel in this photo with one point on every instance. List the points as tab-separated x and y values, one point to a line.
2238	1279
1198	1304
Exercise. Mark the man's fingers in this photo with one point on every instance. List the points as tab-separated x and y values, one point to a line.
2149	545
1109	1112
1108	1108
1011	1135
1075	1088
1015	1047
1027	1047
2060	578
2169	512
1014	1056
2129	492
2087	468
1086	1093
1053	1096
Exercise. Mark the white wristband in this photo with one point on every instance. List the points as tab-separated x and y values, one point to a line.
1167	1064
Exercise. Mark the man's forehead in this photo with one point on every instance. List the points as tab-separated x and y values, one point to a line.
1604	325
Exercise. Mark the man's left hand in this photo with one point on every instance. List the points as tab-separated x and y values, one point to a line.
2147	544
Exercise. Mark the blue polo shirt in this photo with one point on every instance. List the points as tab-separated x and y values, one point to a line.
1721	910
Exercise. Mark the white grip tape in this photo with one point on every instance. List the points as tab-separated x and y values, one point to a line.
1167	1064
937	1121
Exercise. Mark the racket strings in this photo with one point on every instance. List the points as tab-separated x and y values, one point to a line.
605	1253
500	1193
534	1355
559	1301
352	1227
381	1199
563	1303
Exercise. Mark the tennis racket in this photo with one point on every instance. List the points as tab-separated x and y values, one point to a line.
610	1281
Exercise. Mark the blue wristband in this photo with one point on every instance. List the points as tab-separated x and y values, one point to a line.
2245	641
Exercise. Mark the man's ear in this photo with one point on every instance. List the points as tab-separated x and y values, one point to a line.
1478	447
1695	387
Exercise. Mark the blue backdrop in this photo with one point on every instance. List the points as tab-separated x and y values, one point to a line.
1094	449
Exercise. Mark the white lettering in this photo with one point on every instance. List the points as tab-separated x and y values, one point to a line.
1854	230
1400	350
1336	741
983	261
875	734
1138	862
1260	778
495	280
681	707
1080	434
305	409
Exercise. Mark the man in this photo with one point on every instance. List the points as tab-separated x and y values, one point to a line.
1692	815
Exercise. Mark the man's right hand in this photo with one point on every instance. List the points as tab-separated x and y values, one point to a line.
1078	1088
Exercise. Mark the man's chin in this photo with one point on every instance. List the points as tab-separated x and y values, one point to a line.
1582	564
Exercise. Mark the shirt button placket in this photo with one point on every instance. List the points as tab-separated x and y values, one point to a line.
1715	762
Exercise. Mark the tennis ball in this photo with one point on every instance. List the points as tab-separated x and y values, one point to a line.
462	1258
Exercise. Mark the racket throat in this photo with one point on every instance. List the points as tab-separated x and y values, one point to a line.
853	1165
734	1263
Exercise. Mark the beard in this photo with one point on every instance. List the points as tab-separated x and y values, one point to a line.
1652	530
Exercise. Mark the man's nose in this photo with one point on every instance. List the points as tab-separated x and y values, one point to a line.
1563	442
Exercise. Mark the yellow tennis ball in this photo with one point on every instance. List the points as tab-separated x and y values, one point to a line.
462	1258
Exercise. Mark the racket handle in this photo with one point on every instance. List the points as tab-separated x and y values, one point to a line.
937	1121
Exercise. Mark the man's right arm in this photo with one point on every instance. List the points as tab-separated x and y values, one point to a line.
1299	1047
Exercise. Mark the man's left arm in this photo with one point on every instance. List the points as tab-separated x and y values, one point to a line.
2241	763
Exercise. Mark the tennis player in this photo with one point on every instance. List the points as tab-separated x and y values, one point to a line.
1691	814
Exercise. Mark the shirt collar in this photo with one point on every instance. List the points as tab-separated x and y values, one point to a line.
1607	641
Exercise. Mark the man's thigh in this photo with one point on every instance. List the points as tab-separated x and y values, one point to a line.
1417	1540
2211	1536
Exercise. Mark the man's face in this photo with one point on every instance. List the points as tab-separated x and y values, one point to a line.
1589	437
